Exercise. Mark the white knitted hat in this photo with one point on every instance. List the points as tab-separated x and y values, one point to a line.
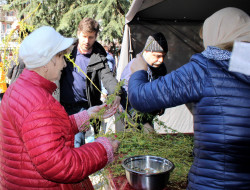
38	48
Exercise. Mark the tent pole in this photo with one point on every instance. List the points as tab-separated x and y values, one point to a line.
130	45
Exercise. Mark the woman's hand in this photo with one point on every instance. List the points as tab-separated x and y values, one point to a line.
92	111
114	143
110	145
116	104
139	64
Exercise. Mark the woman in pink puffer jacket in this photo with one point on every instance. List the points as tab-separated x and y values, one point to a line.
36	133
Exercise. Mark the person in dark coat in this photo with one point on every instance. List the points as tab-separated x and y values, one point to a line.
15	70
154	52
221	103
77	93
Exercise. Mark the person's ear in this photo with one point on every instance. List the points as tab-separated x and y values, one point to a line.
45	68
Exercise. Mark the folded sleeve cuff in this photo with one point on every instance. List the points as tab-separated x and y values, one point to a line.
108	147
82	120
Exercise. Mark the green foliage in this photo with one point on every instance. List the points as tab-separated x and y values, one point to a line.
109	101
176	148
64	15
134	141
23	30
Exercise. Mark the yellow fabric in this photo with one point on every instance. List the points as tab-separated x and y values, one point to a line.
3	86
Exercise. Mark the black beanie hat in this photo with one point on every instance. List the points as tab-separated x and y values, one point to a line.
156	43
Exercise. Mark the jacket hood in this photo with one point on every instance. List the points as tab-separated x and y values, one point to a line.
99	49
98	52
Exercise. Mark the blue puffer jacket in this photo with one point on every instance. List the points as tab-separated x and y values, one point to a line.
221	118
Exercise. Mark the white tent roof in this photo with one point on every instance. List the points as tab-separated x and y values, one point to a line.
137	6
191	10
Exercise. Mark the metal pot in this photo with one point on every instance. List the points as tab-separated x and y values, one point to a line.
147	172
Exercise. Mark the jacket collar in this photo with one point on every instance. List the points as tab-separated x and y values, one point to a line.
215	53
98	53
37	80
97	49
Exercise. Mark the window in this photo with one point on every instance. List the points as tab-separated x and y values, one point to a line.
3	28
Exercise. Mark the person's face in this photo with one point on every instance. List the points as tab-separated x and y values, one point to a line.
155	59
86	40
55	67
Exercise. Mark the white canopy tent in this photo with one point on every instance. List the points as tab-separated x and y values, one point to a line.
125	57
179	21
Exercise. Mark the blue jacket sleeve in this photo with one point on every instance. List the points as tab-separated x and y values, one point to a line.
181	86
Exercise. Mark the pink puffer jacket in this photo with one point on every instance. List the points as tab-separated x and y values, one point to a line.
36	140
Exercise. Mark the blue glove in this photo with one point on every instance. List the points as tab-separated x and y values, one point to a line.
79	139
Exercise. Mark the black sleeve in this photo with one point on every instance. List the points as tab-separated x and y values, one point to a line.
108	79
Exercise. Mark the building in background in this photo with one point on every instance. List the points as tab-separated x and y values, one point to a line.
7	18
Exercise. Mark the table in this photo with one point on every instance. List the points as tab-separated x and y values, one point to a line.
120	183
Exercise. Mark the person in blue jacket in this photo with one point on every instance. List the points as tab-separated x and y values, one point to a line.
221	103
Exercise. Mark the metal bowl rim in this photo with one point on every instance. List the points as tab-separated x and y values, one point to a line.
140	173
